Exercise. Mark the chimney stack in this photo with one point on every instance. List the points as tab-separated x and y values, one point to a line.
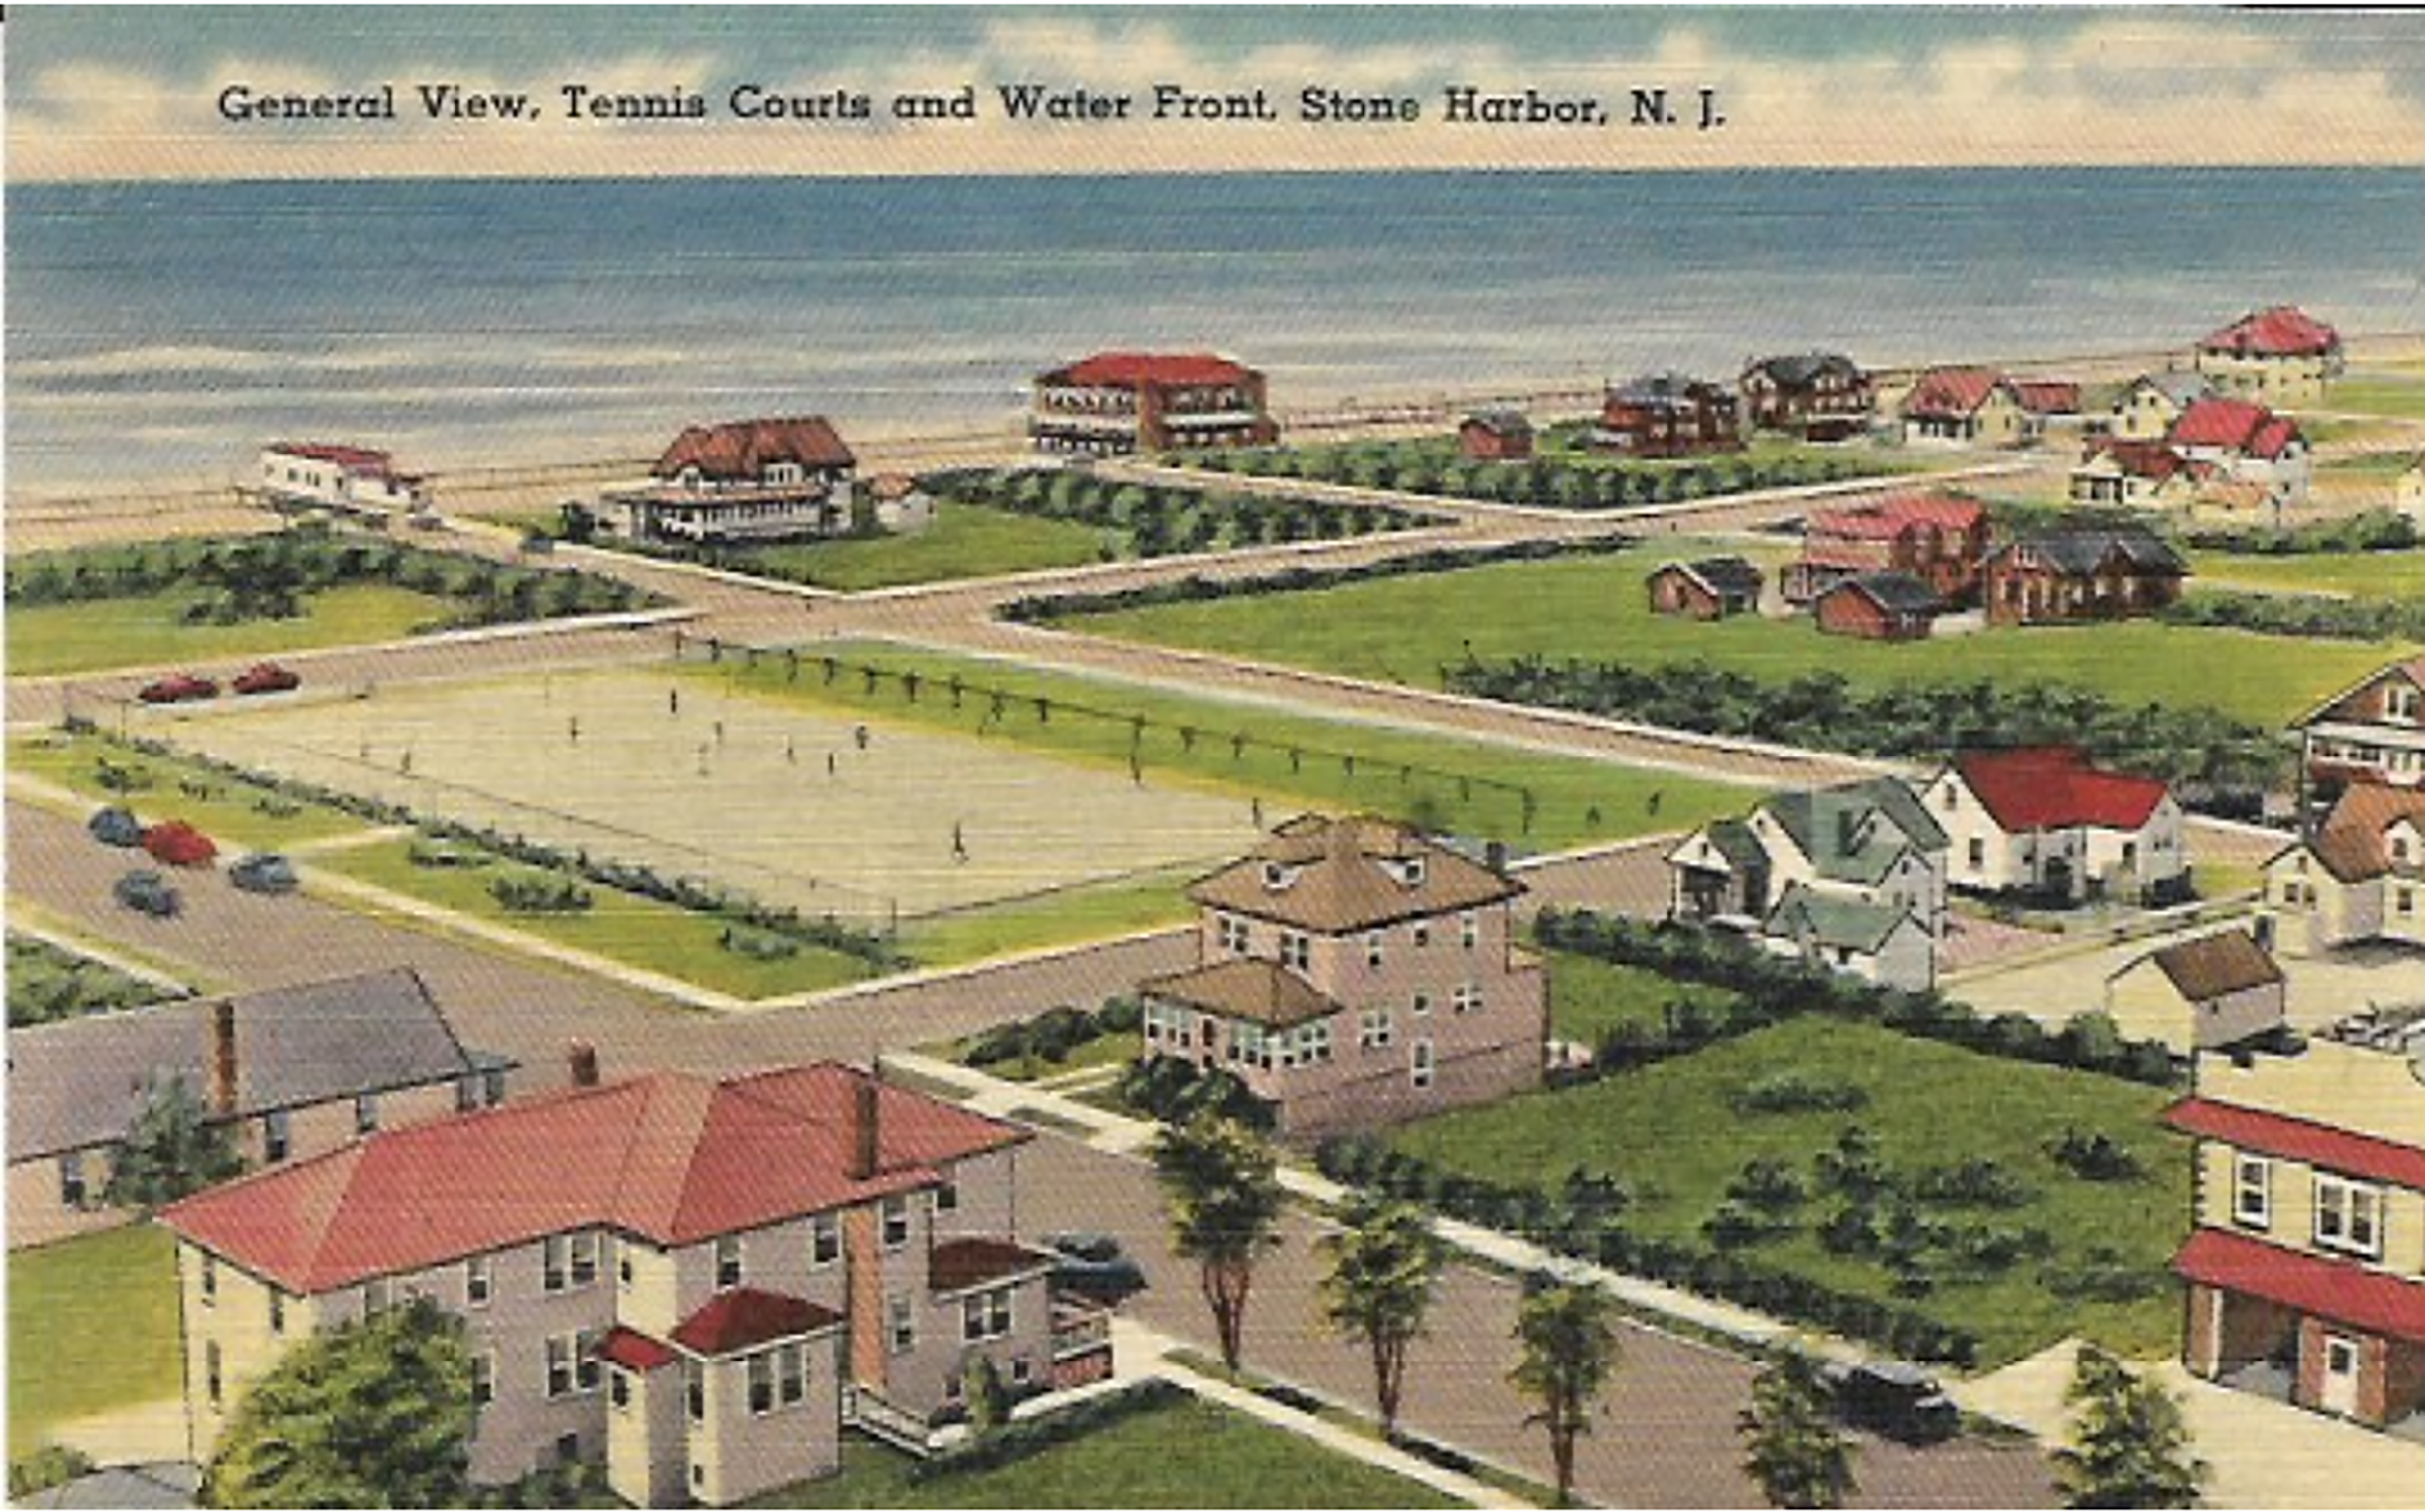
224	1057
581	1058
1494	856
863	1130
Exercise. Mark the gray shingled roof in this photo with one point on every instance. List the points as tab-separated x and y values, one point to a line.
1798	369
1728	574
80	1082
1896	592
1880	816
170	1483
1803	913
2083	552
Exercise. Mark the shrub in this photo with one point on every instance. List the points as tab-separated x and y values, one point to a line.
2093	1155
1972	1183
541	896
1767	1186
1797	1092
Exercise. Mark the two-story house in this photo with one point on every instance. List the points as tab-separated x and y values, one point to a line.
1118	404
741	482
698	1281
288	1072
2249	442
1818	395
2042	821
2146	408
1665	414
1356	973
1940	539
2082	576
2138	474
1968	406
2373	732
2360	876
2306	1268
2277	356
1850	877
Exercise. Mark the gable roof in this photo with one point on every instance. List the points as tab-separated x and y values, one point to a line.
2279	331
2214	421
2353	842
2142	459
1669	389
1252	987
362	460
2179	385
2412	669
2054	788
1331	876
673	1159
1898	593
740	450
1890	518
1953	392
2047	395
1854	832
745	1318
1501	421
1798	369
1803	912
1720	575
2081	553
2217	964
1128	370
80	1082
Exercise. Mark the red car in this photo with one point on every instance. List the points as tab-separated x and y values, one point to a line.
185	687
267	677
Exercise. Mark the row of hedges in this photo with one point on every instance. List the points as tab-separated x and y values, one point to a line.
1585	1223
1053	1035
688	893
1162	520
2374	531
46	983
2316	615
1189	590
1771	988
2215	763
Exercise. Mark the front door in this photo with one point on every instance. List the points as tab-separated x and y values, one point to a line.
2341	1375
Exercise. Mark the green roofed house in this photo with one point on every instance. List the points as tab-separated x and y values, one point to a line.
1852	878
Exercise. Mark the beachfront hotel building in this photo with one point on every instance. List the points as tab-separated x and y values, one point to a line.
1119	404
2277	356
699	1283
741	482
306	475
1354	974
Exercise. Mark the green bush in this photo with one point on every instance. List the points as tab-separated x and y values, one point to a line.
1796	1093
541	896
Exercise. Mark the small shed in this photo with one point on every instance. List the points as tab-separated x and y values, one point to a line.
1878	606
1709	589
1495	436
2203	993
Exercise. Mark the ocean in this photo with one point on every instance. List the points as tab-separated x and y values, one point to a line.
159	334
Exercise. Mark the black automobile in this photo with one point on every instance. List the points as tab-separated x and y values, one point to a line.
116	826
148	892
1894	1400
1094	1266
264	872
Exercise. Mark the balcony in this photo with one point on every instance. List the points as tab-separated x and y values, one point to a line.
1078	1329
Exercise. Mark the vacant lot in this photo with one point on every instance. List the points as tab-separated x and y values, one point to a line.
1677	1135
151	630
1593	608
1588	998
92	1326
2360	574
2398	392
164	787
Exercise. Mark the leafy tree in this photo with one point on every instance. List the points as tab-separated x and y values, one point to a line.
1383	1266
51	1465
373	1413
989	1397
2129	1445
1569	1350
172	1150
1221	1181
1793	1446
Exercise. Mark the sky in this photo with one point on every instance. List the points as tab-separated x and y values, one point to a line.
99	94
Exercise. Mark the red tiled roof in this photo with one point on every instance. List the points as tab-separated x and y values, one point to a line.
1888	519
673	1159
2054	788
743	450
2341	1290
1842	553
958	1264
1867	525
634	1351
2047	395
2291	1138
2273	438
1127	370
746	1317
351	459
2144	458
2282	331
2216	422
1952	390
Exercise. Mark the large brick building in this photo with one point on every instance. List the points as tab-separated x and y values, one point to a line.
1938	538
1818	395
1118	404
1356	973
2081	576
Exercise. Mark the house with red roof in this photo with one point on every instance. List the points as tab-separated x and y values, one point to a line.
2277	356
2246	442
741	482
2357	878
696	1282
1970	407
310	474
2305	1269
2370	732
2117	472
1119	404
1938	538
2042	820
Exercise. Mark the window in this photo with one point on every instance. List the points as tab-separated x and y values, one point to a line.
1376	1028
947	1196
791	1374
572	1362
986	1314
1236	937
1423	1005
366	1114
695	1394
492	1086
1466	999
759	1369
1296	951
825	1239
559	1364
73	1192
1021	1370
2405	901
896	1222
277	1310
212	1380
1469	929
377	1293
483	1379
1976	853
622	1264
901	1325
2252	1191
568	1259
480	1282
2349	1217
1419	1071
277	1136
1422	932
728	1263
569	1450
1373	948
584	1259
467	1093
619	1390
210	1280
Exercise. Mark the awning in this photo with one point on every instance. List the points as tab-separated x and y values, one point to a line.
2341	1290
632	1351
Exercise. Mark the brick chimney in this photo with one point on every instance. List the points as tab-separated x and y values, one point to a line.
863	1131
581	1060
223	1065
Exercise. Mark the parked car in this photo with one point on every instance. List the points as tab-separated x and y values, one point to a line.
1894	1400
267	677
178	688
148	892
116	826
1094	1266
265	872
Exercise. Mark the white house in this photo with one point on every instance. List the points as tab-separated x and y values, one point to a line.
2207	992
323	474
2042	821
741	482
2249	442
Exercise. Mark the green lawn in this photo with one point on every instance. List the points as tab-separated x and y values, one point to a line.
2362	574
151	630
1442	781
1588	998
92	1326
1186	1454
1673	1134
1115	1049
47	983
2378	392
966	540
1070	916
1592	608
222	808
625	927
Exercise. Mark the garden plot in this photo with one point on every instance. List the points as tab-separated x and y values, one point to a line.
871	822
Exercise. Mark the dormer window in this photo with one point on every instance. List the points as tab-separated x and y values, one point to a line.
781	474
688	477
1276	876
1415	871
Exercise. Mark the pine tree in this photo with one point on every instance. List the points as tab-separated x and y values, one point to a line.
2129	1444
172	1152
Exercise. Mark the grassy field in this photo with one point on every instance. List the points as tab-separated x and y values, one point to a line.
966	540
1117	1048
221	807
1592	608
1186	1454
634	930
2384	391
1575	800
47	983
1093	911
1588	998
1673	1134
151	630
92	1326
2361	574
